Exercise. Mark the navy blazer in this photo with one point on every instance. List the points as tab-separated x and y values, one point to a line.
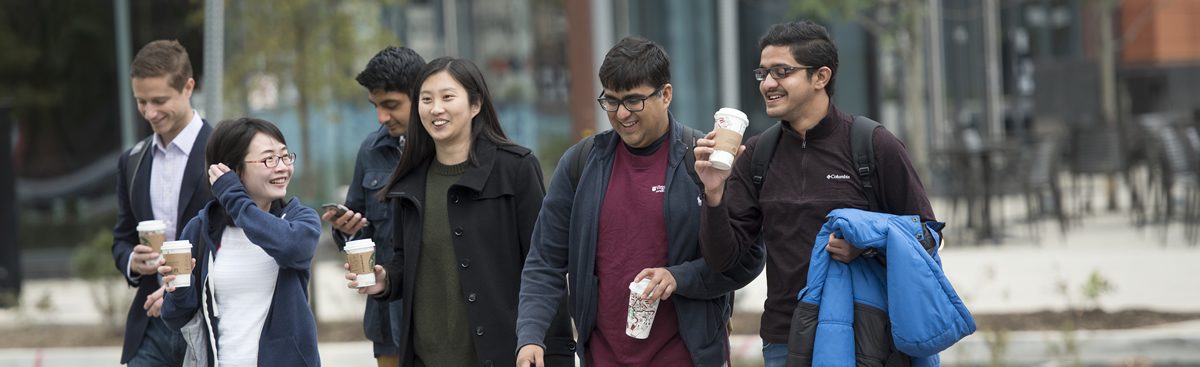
192	196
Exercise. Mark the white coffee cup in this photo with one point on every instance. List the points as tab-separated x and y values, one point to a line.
152	233
360	254
178	255
640	317
730	124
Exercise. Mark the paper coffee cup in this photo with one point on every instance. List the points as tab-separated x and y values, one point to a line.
360	254
641	311
730	124
178	255
152	233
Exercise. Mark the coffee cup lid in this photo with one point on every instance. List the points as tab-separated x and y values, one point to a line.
151	225
359	244
177	245
732	112
639	287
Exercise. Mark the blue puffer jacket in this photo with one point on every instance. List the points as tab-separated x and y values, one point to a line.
845	310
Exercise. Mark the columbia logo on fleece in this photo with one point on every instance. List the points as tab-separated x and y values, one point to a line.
658	188
837	177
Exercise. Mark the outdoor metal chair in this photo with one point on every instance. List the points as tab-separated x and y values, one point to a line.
1043	195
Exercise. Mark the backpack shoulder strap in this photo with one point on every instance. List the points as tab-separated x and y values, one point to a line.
575	165
862	146
138	153
690	137
763	152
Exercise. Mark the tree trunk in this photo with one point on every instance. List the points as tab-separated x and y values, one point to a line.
913	58
300	76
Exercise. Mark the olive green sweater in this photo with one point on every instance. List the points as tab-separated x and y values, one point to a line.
441	329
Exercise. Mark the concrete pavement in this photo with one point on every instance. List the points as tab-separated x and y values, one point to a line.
332	354
1017	274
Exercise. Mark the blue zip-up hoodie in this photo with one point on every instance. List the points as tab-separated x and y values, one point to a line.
912	293
289	234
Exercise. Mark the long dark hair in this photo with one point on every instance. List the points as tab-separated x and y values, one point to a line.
419	146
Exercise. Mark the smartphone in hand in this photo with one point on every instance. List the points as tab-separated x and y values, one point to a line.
338	209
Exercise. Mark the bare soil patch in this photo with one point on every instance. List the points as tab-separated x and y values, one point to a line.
48	336
1081	320
747	323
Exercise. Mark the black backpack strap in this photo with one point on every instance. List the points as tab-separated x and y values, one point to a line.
690	137
863	147
763	152
575	165
139	153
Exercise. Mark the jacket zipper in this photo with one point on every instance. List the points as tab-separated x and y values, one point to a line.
212	333
803	165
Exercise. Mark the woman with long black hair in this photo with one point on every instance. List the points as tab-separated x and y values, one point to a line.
465	199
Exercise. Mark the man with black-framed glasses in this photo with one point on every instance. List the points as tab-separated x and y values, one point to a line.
628	213
811	172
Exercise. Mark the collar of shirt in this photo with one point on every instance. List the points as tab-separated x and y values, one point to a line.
383	140
186	138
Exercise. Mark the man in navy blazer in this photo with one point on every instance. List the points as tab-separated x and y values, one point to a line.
160	178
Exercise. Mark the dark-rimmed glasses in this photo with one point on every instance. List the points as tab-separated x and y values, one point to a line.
778	71
272	161
632	104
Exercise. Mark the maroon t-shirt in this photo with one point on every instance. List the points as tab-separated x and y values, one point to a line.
633	236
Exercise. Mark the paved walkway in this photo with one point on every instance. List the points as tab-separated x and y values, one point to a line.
1014	275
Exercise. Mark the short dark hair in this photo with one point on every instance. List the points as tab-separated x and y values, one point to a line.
231	138
391	70
810	45
163	58
633	62
419	146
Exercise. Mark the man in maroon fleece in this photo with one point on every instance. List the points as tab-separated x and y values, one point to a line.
631	214
811	173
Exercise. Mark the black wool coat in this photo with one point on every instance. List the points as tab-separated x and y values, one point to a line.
492	210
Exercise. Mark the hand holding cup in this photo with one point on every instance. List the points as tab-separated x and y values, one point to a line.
145	260
169	276
151	235
178	264
716	152
729	125
640	316
377	288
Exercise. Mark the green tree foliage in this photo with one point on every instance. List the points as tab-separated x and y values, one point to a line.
313	48
56	54
900	28
93	262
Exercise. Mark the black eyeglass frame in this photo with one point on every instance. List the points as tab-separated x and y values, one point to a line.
287	160
640	101
779	71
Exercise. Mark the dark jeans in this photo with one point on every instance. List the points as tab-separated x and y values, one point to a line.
162	346
775	354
